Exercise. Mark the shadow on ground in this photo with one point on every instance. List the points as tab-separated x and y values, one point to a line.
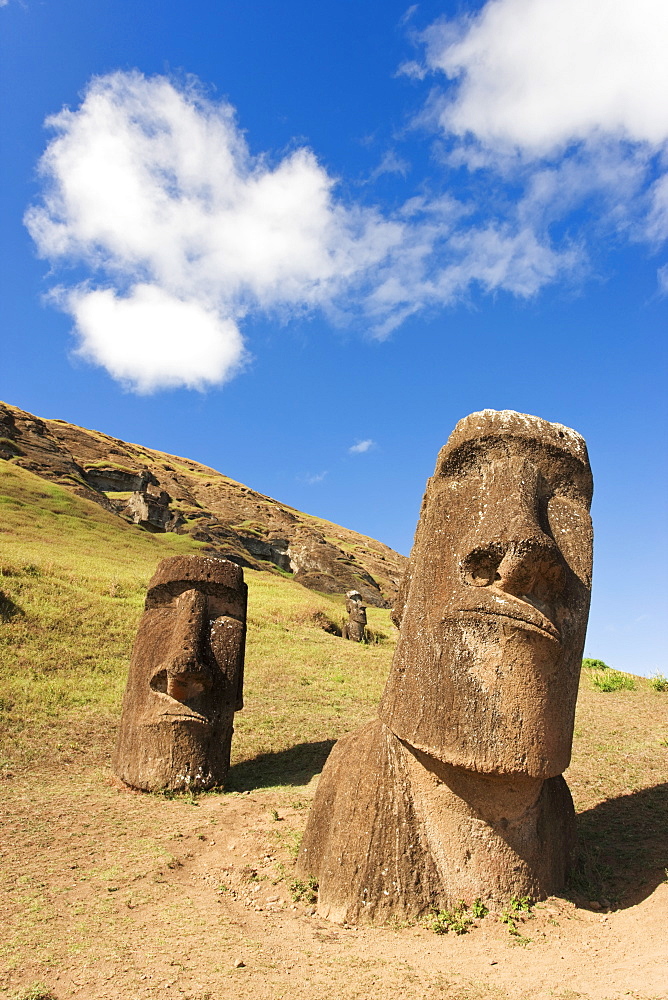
8	609
623	849
295	766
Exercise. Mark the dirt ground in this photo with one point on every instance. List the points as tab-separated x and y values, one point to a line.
109	893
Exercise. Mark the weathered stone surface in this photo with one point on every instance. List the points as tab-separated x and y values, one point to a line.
356	625
320	565
461	773
186	677
151	509
109	479
274	550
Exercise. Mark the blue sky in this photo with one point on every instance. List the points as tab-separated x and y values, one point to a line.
298	241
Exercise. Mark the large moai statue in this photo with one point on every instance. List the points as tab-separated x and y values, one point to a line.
186	677
355	627
456	791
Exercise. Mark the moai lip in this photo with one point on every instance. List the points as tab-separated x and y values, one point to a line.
455	791
185	680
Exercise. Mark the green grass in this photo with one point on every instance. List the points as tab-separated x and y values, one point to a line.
458	920
589	664
106	463
613	680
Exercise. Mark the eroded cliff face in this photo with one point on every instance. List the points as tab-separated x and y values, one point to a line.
161	492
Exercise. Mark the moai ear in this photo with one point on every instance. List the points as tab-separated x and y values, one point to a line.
399	606
227	644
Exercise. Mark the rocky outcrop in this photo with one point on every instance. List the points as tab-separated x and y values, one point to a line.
161	492
321	565
274	550
113	480
152	511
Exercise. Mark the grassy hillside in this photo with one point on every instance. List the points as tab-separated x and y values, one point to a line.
101	889
187	498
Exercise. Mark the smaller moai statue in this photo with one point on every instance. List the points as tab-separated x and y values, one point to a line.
185	680
355	626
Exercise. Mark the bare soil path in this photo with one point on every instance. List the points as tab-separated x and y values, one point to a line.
113	894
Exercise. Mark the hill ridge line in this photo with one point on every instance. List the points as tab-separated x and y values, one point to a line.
159	491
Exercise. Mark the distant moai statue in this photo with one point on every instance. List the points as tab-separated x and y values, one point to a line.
186	677
355	627
456	791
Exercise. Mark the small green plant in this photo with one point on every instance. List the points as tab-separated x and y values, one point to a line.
280	872
517	905
658	682
291	840
458	920
478	909
589	664
304	891
37	991
509	917
188	797
613	680
275	816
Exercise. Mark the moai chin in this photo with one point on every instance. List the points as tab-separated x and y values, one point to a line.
355	627
186	677
456	791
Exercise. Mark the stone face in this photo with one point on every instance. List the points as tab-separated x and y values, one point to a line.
185	680
355	626
475	725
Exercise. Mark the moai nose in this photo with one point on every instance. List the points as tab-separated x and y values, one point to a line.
187	665
530	568
509	549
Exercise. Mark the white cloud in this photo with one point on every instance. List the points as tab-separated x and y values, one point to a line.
662	279
312	479
150	188
565	100
390	164
151	339
658	216
361	446
538	74
153	188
